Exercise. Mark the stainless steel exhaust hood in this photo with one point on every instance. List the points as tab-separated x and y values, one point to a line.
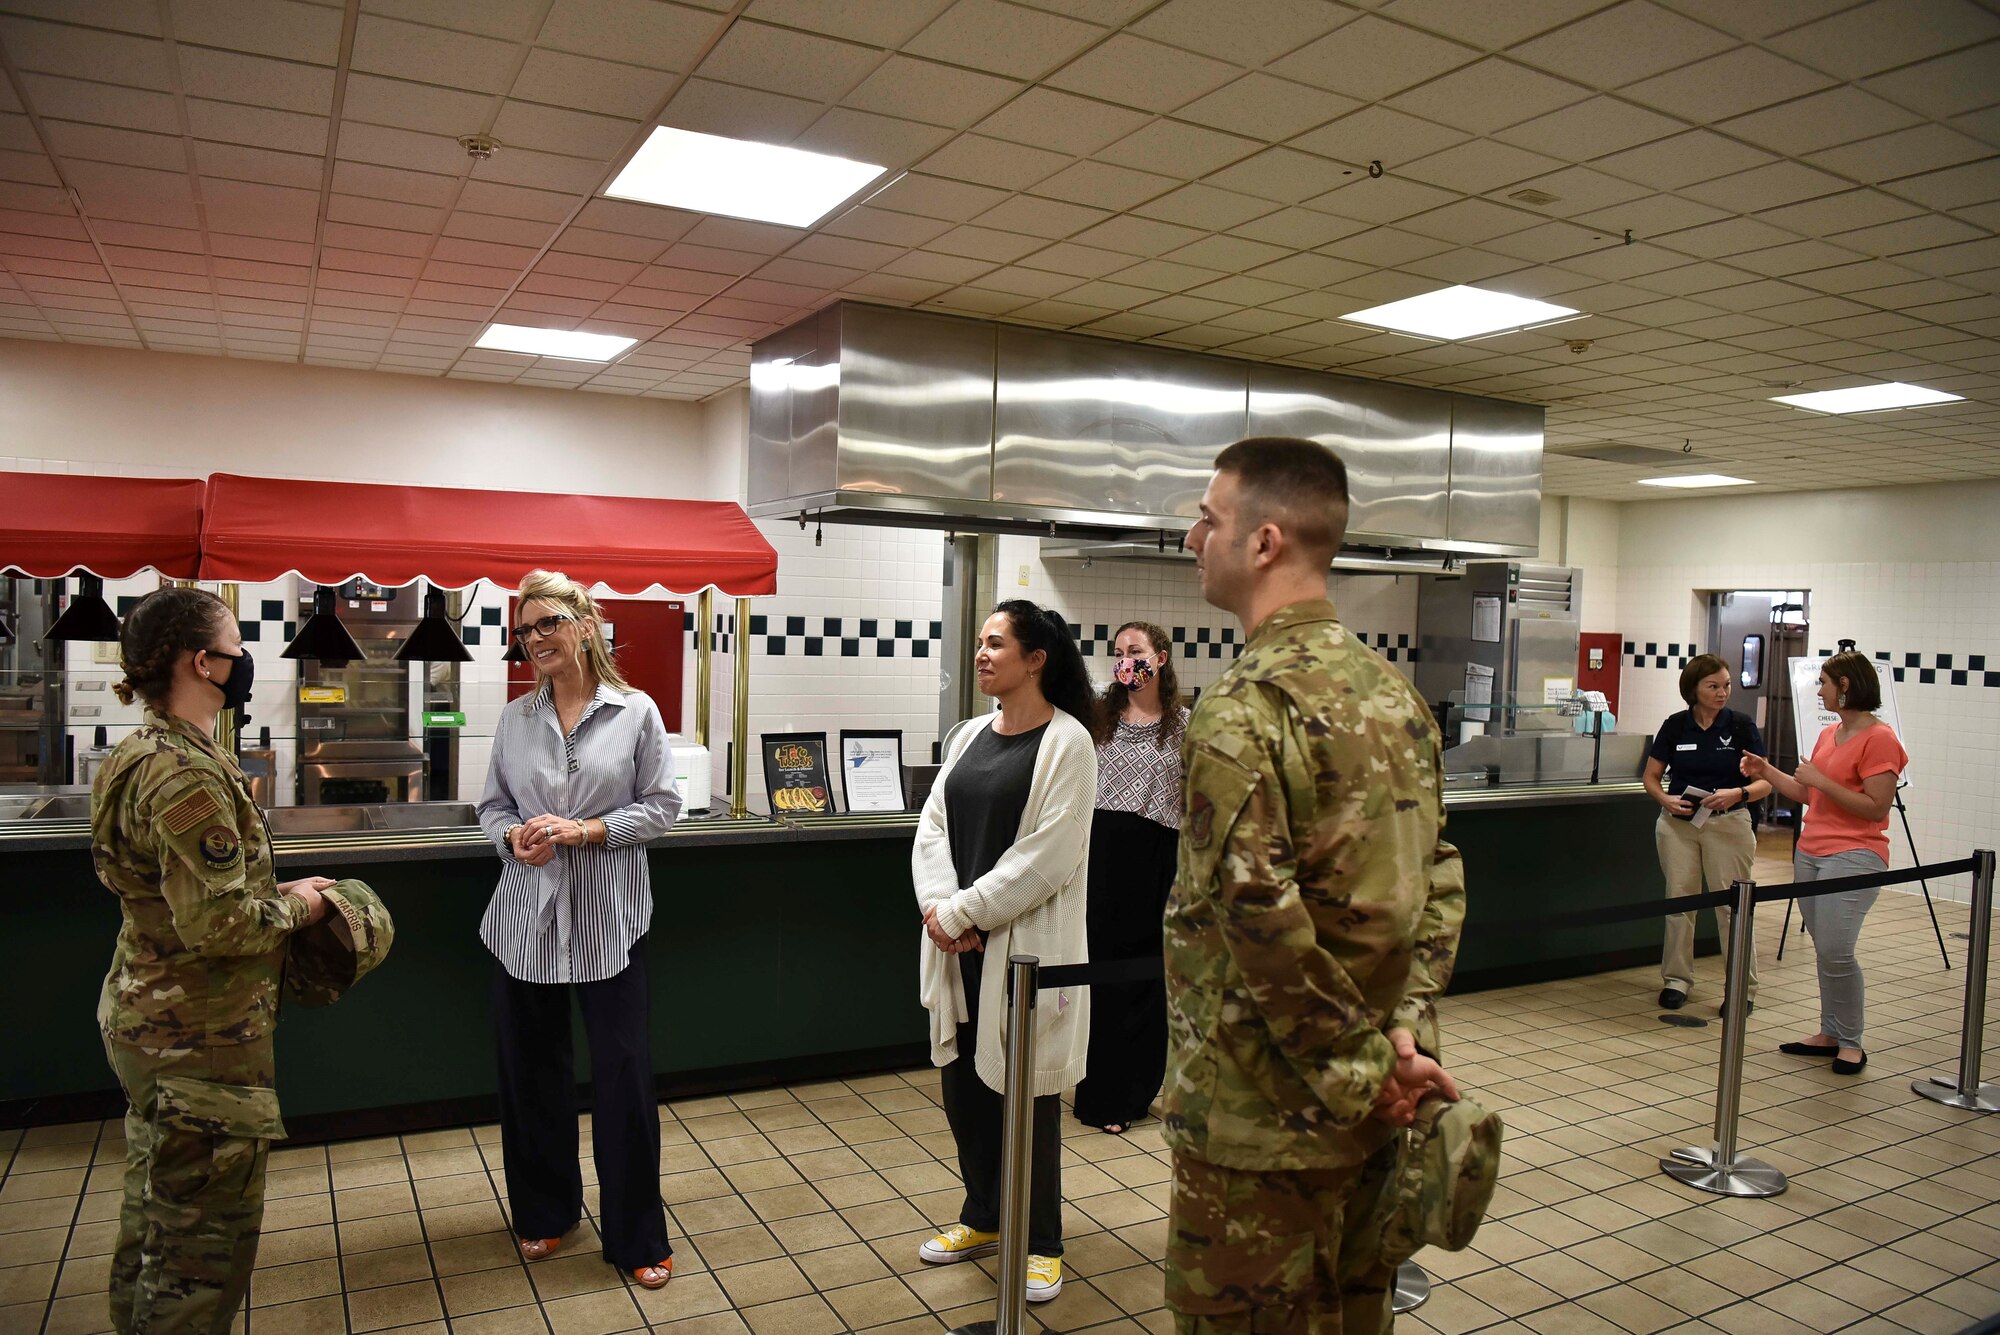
874	415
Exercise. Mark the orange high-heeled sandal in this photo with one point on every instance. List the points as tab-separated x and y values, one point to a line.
534	1249
654	1276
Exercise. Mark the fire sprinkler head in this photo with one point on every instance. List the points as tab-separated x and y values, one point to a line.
479	147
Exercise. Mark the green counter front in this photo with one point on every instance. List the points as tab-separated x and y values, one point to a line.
778	952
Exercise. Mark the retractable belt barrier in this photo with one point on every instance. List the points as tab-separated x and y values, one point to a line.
1715	1168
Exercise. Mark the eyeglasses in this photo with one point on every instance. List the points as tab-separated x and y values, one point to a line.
545	627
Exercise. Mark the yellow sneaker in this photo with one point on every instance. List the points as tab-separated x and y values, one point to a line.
959	1243
1044	1277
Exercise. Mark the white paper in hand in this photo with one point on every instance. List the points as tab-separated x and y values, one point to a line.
1701	813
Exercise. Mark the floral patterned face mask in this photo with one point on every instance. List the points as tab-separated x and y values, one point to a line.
1132	672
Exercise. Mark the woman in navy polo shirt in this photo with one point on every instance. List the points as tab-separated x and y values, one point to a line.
1702	747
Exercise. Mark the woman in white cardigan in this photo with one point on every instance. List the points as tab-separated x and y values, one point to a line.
999	866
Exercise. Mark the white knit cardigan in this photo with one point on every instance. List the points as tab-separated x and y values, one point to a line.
1031	903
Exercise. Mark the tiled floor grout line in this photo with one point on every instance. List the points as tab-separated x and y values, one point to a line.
89	1163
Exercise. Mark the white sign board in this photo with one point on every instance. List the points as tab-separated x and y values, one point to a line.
871	771
1810	720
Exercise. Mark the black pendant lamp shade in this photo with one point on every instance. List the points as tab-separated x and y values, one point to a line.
88	616
515	652
323	637
435	640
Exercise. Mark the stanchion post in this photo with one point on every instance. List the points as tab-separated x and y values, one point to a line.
1717	1168
1967	1092
1413	1288
1017	1148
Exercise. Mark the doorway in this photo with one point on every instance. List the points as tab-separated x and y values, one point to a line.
1757	633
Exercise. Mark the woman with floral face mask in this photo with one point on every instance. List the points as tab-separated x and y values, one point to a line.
1133	835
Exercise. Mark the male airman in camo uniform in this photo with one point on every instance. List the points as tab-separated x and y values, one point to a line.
191	998
1314	917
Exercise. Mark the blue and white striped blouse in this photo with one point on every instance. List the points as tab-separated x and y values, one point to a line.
574	919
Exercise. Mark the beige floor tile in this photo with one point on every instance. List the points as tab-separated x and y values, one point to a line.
597	1313
688	1295
290	1283
808	1315
387	1265
763	1282
479	1251
565	1275
85	1314
874	1303
397	1305
506	1321
485	1291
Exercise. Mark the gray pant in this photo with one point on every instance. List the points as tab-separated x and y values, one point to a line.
1835	924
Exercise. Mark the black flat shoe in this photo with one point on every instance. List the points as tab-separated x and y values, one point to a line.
1722	1011
1849	1068
1809	1049
1672	998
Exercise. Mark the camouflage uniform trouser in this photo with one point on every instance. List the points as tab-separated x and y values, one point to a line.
198	1127
1277	1252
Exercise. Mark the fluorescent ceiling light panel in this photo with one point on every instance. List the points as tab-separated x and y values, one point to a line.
1461	312
706	173
1695	480
569	344
1868	398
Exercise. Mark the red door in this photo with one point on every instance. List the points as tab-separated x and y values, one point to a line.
1599	648
649	640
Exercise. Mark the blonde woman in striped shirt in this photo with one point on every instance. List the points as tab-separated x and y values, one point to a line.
581	778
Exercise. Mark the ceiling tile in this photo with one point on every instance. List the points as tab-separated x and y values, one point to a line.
1061	121
1766	187
1002	38
1883	34
1378	133
1955	188
1134	72
1166	276
260	127
1026	282
282	28
1139	236
1918	233
436	55
1478	166
1078	261
1669	164
1579	190
707	107
528	232
899	229
1469	221
1268	108
1590	129
935	197
1205	207
1911	152
557	130
1489	27
640	32
108	57
885	23
937	268
1310	271
1489	96
1102	185
1616	46
924	90
1837	116
742	234
1736	81
98	143
1041	217
994	162
261	210
563	80
849	252
1298	228
543	171
1946	86
134	193
240	163
1231	254
1171	148
1282	174
866	137
97	103
778	60
387	147
1840	213
1381	200
1371	58
482	195
1246	32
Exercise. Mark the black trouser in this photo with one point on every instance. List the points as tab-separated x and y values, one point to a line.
974	1112
538	1129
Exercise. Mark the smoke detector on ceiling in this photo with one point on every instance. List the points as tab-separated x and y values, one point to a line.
479	147
1535	197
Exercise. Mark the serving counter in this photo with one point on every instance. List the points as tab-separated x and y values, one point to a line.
780	951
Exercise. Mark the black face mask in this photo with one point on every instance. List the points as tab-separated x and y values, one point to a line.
236	691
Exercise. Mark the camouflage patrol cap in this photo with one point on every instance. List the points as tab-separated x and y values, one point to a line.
333	954
1445	1177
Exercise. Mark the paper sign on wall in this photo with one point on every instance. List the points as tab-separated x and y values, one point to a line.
1486	619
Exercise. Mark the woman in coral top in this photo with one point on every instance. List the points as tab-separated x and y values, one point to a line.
1847	788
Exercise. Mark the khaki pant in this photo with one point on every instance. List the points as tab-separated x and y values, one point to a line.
198	1128
1279	1253
1720	852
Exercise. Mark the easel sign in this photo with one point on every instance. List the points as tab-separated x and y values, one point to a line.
795	773
1810	720
871	770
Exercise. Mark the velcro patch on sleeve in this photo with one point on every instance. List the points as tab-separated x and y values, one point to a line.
198	806
220	847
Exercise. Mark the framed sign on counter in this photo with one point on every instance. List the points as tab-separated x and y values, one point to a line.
871	769
795	773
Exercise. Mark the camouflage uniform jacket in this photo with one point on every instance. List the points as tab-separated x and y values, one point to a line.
1315	904
175	835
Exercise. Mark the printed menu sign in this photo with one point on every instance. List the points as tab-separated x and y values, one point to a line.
871	770
795	773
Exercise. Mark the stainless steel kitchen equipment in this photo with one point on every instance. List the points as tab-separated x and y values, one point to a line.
863	414
1504	632
354	720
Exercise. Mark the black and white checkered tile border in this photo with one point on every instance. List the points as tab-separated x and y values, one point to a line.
1654	656
1940	670
892	637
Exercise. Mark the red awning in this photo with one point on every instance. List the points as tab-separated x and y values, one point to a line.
55	523
260	528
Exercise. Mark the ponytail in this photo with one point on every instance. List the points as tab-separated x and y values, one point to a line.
1065	682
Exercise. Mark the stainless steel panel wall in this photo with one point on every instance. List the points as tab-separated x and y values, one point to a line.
1394	439
1496	472
794	394
1088	424
916	404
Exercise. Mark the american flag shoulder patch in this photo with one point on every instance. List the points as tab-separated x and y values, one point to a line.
198	806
